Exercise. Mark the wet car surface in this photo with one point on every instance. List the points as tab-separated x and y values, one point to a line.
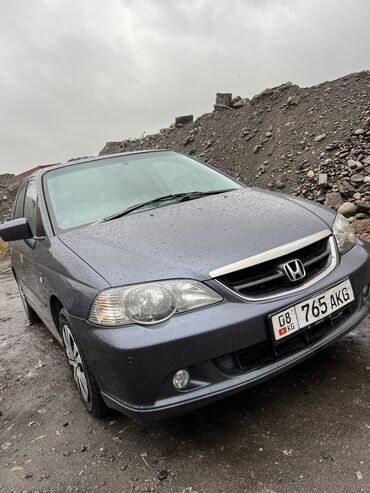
167	291
306	430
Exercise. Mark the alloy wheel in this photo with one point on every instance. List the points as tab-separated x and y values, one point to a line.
75	361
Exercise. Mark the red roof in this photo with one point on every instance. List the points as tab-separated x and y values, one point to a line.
32	170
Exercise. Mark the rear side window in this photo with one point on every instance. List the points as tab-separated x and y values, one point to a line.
30	206
18	206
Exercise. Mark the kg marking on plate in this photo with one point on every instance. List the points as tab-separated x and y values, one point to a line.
311	311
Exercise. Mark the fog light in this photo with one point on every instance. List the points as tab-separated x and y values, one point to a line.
366	290
181	379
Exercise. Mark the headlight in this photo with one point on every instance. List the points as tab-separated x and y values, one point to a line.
150	303
343	233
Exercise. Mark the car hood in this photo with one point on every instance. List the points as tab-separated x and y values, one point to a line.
192	238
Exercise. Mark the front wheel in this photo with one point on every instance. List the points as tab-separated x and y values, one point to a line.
82	375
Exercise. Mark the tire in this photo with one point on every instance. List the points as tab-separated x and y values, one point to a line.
82	375
31	315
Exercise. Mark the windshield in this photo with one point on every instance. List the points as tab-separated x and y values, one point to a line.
87	192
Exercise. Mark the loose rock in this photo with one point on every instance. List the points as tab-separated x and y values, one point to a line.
333	199
347	209
162	475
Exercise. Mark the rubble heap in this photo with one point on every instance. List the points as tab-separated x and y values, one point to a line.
9	185
311	142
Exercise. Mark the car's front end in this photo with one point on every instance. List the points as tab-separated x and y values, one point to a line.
210	286
151	367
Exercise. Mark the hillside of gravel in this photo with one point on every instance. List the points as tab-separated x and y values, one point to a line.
312	142
9	185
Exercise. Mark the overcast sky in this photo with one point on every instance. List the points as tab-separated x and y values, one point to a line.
77	73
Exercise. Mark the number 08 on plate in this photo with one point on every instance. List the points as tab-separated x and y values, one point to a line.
311	311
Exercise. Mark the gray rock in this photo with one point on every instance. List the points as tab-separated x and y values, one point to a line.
223	99
333	200
238	104
345	188
357	178
359	131
235	100
352	164
347	209
360	216
162	475
320	137
323	179
291	100
222	107
183	119
364	206
13	187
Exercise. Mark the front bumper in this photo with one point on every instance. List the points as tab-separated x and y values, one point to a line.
134	365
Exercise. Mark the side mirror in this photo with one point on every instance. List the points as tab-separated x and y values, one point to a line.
17	229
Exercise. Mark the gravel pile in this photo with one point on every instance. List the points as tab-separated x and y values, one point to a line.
9	185
311	142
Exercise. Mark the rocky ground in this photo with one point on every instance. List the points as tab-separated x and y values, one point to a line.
9	185
305	431
312	142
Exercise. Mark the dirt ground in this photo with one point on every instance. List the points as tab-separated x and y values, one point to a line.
307	430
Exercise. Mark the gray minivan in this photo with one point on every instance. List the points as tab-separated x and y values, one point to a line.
171	285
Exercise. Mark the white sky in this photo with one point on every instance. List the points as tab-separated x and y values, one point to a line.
77	73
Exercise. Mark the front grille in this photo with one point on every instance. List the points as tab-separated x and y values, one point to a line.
264	353
268	278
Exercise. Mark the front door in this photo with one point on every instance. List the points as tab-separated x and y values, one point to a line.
25	248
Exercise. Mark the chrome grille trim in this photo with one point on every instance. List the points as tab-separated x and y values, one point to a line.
270	254
301	244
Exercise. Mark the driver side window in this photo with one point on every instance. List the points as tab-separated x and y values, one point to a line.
18	206
30	206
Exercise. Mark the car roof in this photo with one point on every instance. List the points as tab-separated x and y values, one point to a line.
39	173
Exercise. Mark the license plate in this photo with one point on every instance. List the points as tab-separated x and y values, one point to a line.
311	311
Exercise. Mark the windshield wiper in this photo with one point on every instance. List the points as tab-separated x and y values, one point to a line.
182	196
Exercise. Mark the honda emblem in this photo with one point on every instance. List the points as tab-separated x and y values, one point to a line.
294	270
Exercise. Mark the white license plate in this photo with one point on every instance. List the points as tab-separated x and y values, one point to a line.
311	311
